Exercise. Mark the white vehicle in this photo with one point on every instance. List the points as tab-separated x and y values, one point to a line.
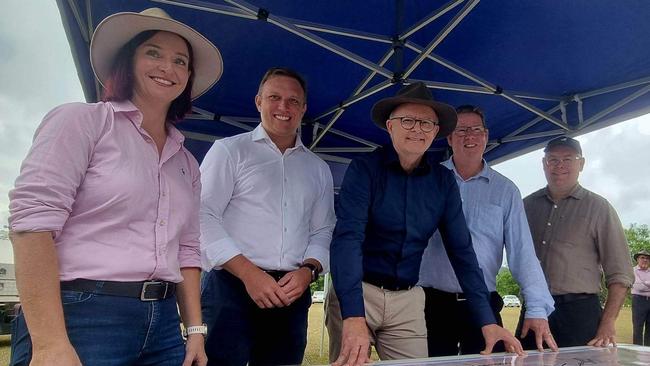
8	297
511	301
318	296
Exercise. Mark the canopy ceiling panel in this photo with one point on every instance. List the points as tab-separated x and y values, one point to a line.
538	68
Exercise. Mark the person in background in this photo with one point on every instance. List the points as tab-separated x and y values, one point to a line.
578	237
496	220
641	299
267	215
104	214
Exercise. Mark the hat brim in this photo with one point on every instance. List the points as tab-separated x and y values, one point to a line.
636	255
446	114
116	30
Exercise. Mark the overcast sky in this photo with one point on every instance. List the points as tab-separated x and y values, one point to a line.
37	73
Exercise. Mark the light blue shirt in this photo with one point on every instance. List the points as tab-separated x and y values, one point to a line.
495	216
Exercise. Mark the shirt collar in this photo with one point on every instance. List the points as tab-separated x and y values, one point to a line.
175	134
259	133
391	159
126	106
577	192
485	172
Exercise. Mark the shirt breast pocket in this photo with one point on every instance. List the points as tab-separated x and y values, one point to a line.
573	230
486	221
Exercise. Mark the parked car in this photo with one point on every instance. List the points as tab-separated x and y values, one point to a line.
318	296
511	301
8	296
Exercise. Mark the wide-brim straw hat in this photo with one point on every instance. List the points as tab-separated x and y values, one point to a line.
416	93
641	252
118	29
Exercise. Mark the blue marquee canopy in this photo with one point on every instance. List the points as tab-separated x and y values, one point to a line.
538	68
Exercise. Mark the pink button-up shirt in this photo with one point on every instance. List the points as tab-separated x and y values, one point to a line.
117	209
641	284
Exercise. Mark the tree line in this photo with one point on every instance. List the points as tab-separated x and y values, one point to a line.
638	238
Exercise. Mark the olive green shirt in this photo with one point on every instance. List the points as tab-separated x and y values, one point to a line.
578	239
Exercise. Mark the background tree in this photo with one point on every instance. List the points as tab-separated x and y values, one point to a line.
319	285
638	238
506	285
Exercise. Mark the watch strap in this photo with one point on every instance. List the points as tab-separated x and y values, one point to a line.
196	329
313	269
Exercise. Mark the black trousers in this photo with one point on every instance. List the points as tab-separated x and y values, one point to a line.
450	326
573	323
239	332
641	320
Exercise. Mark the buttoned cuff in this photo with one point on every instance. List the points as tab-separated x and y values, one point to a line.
352	308
485	316
536	312
320	254
215	254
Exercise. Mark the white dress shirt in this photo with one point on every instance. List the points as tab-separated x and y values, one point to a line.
275	209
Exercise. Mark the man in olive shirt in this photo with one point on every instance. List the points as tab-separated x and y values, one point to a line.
577	236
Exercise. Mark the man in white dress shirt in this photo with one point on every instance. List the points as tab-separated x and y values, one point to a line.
267	215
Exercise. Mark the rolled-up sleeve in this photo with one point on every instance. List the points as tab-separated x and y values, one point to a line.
613	249
55	166
218	182
322	223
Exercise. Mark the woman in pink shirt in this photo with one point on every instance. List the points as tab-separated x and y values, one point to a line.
104	215
641	299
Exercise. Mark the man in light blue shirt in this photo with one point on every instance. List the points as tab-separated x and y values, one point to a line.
495	216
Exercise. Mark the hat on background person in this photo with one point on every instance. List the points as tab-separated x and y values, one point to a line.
416	93
117	29
564	141
641	252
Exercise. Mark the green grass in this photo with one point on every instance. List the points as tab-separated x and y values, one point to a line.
313	352
5	349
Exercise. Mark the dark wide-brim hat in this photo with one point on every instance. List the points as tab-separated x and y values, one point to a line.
116	30
641	252
416	93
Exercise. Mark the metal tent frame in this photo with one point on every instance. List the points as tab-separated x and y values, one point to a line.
564	114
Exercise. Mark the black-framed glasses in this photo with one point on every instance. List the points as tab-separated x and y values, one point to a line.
473	130
408	123
554	162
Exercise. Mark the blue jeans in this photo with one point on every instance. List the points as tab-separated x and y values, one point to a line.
239	332
112	330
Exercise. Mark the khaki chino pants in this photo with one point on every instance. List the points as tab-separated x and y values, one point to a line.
395	320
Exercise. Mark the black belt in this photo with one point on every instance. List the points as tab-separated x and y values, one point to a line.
447	295
389	287
642	296
562	299
457	296
277	275
143	290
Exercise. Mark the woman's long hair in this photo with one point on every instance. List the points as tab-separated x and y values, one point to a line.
120	83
